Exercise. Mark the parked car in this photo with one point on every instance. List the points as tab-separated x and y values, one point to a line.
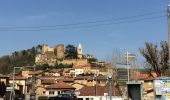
64	96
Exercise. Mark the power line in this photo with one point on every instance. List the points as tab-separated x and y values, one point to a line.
90	26
88	22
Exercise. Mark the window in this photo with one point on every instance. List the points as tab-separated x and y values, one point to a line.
51	92
58	92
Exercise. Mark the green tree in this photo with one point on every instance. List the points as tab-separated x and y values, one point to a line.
38	48
43	67
18	58
58	66
156	59
70	52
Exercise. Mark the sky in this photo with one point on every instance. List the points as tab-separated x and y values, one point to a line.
100	40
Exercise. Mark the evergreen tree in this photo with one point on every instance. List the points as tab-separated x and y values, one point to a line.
70	52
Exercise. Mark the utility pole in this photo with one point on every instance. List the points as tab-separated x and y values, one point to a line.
127	62
13	90
168	14
33	85
13	84
96	83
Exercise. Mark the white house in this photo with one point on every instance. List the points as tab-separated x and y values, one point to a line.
58	88
19	83
98	93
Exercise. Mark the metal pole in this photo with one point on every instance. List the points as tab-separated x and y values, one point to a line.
13	84
168	14
96	88
110	89
110	86
33	85
127	61
106	96
96	83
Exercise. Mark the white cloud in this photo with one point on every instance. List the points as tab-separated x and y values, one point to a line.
35	17
49	15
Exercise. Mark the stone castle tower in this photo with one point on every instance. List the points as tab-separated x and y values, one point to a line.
59	51
79	51
46	48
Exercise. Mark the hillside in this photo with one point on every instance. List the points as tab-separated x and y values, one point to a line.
18	58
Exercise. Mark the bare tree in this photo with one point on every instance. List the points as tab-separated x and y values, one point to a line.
156	59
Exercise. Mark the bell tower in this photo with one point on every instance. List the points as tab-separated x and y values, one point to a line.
79	51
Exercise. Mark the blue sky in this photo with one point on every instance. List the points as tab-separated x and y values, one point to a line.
99	41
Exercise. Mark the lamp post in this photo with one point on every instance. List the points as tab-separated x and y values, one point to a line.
13	90
110	85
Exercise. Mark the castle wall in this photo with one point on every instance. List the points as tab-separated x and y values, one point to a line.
75	61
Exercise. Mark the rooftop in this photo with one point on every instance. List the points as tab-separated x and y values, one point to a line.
60	85
48	81
97	91
64	79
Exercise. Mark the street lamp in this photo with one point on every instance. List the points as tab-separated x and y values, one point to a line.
110	85
13	90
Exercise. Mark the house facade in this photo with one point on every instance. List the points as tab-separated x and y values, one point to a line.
19	83
58	88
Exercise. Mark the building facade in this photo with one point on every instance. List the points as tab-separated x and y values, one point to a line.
47	48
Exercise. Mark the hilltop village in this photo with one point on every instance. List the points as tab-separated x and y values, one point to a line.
66	69
58	70
70	58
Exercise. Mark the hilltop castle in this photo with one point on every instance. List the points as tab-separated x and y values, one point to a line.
51	56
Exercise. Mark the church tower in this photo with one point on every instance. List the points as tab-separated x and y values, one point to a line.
79	51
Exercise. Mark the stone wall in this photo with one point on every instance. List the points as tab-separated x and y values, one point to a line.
75	61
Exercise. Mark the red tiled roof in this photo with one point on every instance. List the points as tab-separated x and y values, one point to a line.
145	76
79	77
99	91
35	72
79	83
60	85
63	79
1	75
18	78
48	81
